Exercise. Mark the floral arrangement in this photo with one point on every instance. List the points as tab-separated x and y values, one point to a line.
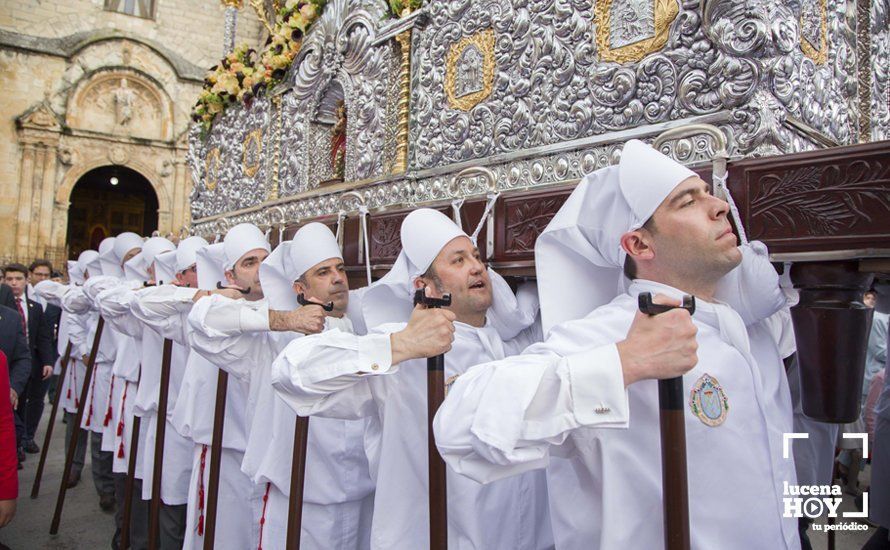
244	74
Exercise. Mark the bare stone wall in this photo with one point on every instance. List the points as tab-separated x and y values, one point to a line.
64	67
191	28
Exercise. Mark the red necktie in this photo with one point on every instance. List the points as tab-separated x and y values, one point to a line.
18	302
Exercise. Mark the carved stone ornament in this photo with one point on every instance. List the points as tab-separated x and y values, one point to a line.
118	155
814	30
66	156
42	117
469	70
629	30
211	169
252	152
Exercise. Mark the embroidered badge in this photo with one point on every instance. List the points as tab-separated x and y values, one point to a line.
708	401
450	382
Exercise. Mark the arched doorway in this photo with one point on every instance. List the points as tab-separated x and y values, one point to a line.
106	201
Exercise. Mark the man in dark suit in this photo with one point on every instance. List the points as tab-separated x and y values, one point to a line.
40	270
40	344
15	346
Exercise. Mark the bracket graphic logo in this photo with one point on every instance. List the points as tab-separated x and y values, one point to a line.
814	501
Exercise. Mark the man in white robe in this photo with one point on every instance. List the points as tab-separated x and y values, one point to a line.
115	298
657	221
177	449
125	247
71	329
191	414
100	381
243	337
381	377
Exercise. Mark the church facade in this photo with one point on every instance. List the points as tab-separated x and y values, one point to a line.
100	90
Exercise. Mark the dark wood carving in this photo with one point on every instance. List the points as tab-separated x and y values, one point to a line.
834	199
520	219
385	242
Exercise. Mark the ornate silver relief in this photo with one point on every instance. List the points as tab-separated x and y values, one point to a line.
880	62
546	169
631	22
293	172
339	48
550	86
742	58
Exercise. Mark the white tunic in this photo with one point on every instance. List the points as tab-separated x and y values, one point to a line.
235	335
114	304
509	416
192	415
178	450
341	375
99	383
126	354
74	377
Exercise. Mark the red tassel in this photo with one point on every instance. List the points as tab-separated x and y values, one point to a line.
120	424
110	400
201	491
68	396
120	450
263	517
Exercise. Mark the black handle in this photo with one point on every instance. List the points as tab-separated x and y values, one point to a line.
649	307
420	297
220	286
304	302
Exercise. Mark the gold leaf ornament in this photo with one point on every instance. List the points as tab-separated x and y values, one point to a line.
483	42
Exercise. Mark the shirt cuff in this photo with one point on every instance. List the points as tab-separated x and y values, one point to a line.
374	354
597	384
254	320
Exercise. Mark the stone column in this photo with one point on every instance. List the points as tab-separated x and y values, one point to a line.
23	207
41	228
181	182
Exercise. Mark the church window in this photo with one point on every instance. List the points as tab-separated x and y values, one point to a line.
139	8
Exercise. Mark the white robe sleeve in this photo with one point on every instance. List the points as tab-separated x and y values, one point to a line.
95	285
51	291
114	305
75	301
224	331
505	417
166	309
329	374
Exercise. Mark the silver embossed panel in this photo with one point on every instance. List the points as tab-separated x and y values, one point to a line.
631	21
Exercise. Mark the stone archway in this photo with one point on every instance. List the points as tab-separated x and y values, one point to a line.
65	193
106	201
